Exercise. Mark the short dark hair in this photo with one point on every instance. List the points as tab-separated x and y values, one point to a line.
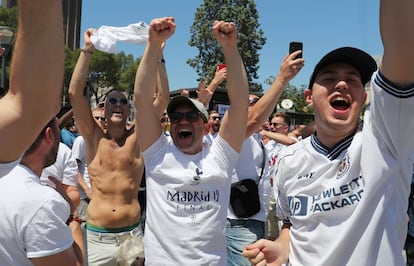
52	124
285	117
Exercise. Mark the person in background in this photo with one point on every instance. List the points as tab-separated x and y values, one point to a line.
214	121
204	92
69	132
36	78
65	171
253	164
344	189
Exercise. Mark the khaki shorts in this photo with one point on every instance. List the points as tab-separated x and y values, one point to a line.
104	248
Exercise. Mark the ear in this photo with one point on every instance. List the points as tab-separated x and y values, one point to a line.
206	128
365	97
49	136
308	96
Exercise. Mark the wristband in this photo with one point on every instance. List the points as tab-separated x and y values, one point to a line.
86	51
73	218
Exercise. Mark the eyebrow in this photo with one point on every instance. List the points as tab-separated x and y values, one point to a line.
329	71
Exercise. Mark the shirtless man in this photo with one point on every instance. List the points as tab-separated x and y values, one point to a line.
115	166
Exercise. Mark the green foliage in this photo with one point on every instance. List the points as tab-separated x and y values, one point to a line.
295	94
105	71
8	17
251	39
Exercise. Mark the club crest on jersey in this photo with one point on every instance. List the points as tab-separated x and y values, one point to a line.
197	177
343	167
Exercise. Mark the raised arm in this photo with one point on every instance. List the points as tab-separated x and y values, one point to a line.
162	88
81	109
147	115
36	76
233	126
206	93
260	112
396	24
279	137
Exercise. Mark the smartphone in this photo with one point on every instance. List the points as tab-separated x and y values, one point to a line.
221	66
294	46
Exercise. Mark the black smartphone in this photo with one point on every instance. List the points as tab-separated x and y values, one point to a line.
294	46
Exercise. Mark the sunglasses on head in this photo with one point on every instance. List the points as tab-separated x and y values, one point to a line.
122	101
192	116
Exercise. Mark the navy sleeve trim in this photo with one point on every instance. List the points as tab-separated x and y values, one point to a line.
393	89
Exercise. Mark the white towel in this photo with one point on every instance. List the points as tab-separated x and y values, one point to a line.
105	37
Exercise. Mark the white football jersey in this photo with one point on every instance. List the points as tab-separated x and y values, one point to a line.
347	205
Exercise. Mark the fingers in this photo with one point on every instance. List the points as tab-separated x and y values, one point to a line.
255	256
223	31
161	29
162	24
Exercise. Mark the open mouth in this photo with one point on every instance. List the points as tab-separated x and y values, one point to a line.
183	133
340	103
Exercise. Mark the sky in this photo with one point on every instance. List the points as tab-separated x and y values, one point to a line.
322	25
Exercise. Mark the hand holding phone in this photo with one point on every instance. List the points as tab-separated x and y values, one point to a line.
295	46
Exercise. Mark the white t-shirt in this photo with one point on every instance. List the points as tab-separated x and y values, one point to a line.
248	166
5	168
78	152
65	168
348	204
187	200
33	219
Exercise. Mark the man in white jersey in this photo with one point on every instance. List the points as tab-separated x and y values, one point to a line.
188	183
214	126
36	79
343	191
65	171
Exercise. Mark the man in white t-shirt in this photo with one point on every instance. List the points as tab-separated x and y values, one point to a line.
64	170
34	225
343	191
188	184
214	121
36	76
244	228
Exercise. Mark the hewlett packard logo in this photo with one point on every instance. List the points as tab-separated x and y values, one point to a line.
298	205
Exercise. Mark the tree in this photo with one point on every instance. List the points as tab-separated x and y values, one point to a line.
105	71
295	94
8	17
245	15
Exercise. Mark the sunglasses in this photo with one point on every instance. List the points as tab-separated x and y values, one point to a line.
253	100
278	124
192	116
214	118
122	101
99	118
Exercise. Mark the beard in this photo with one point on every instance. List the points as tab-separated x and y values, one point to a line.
52	155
